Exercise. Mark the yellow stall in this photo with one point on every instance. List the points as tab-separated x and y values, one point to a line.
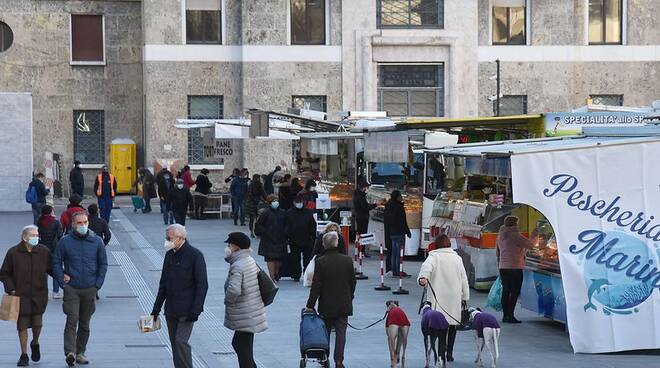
123	163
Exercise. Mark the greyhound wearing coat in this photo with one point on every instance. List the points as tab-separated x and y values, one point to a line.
434	327
396	327
487	333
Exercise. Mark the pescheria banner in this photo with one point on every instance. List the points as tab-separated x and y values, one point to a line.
604	205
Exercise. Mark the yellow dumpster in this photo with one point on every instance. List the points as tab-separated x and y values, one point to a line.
123	162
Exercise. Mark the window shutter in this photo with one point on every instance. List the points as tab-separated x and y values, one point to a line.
203	5
508	3
86	37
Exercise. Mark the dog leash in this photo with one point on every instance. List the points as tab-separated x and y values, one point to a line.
371	325
443	309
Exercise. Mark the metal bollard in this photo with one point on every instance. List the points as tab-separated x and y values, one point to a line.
401	290
382	286
359	275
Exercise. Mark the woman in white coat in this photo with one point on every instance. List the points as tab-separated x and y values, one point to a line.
444	271
245	312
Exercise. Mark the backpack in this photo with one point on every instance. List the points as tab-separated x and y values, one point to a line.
267	287
31	195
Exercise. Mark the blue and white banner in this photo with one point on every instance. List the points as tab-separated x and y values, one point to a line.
569	123
604	205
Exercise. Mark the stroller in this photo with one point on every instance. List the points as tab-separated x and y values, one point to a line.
314	340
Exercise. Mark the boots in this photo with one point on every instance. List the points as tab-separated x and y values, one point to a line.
451	337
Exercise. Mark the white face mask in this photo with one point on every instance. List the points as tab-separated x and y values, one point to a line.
180	186
169	245
228	252
298	205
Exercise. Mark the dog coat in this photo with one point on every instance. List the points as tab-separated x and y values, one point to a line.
483	320
434	320
396	316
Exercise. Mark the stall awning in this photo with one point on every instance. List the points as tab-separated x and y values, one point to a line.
446	123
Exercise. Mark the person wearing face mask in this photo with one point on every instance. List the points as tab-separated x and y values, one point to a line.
179	200
182	289
23	274
318	245
270	227
309	194
245	313
50	233
301	233
85	264
361	210
105	187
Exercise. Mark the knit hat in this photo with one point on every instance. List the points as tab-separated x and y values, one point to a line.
239	239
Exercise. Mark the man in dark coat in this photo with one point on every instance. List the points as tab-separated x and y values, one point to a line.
23	274
361	210
238	190
39	186
201	196
300	231
268	183
334	288
183	286
397	226
98	225
76	179
270	227
179	201
165	182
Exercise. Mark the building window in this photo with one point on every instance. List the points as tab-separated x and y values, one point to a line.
605	20
316	103
410	13
202	107
509	22
307	22
6	37
87	39
411	90
203	22
511	105
89	136
608	100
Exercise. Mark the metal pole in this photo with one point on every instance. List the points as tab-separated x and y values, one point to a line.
382	286
497	95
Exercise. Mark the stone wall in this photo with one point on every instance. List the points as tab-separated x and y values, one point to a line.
15	150
38	62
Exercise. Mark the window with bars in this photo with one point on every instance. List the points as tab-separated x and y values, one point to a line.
605	22
511	105
89	136
203	22
608	100
509	22
411	90
307	22
202	107
316	103
410	13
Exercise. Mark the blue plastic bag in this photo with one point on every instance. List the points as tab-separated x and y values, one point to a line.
495	296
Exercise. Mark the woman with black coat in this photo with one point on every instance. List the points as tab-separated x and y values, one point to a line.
255	195
301	233
270	227
179	201
202	189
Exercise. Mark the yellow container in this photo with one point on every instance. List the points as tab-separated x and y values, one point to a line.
123	163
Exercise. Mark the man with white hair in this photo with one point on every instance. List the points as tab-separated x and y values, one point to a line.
183	287
23	274
333	287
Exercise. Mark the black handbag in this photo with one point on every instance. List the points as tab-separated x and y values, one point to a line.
267	287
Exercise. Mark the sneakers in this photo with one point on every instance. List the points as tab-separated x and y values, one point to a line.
36	352
70	359
58	295
82	359
23	361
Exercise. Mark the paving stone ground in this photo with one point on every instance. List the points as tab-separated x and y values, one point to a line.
135	260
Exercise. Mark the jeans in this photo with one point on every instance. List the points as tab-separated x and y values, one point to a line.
147	203
238	206
398	241
180	332
511	284
79	306
200	205
168	216
340	324
36	210
105	207
243	344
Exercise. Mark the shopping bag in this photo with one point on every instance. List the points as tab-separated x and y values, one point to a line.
267	287
147	324
495	296
10	307
308	277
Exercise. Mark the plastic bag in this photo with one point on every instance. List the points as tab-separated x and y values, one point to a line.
147	324
495	296
308	277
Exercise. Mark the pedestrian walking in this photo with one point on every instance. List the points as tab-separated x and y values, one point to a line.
238	190
272	245
76	179
148	189
301	234
255	195
333	286
165	182
85	264
179	200
361	208
50	233
318	244
309	194
245	313
397	226
295	186
105	187
186	175
444	270
268	183
37	195
73	207
23	274
182	289
236	172
511	248
98	225
284	193
201	195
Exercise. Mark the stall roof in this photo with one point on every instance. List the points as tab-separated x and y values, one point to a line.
440	123
338	135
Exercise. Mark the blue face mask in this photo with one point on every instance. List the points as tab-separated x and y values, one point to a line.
275	205
82	230
33	241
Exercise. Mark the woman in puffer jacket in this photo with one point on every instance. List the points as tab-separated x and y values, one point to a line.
245	312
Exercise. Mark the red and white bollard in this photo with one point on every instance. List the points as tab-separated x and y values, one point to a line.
382	286
401	290
359	275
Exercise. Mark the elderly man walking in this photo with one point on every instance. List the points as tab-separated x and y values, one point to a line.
23	274
183	287
85	264
334	287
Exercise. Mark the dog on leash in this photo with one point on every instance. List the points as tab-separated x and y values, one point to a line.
434	327
487	333
396	327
